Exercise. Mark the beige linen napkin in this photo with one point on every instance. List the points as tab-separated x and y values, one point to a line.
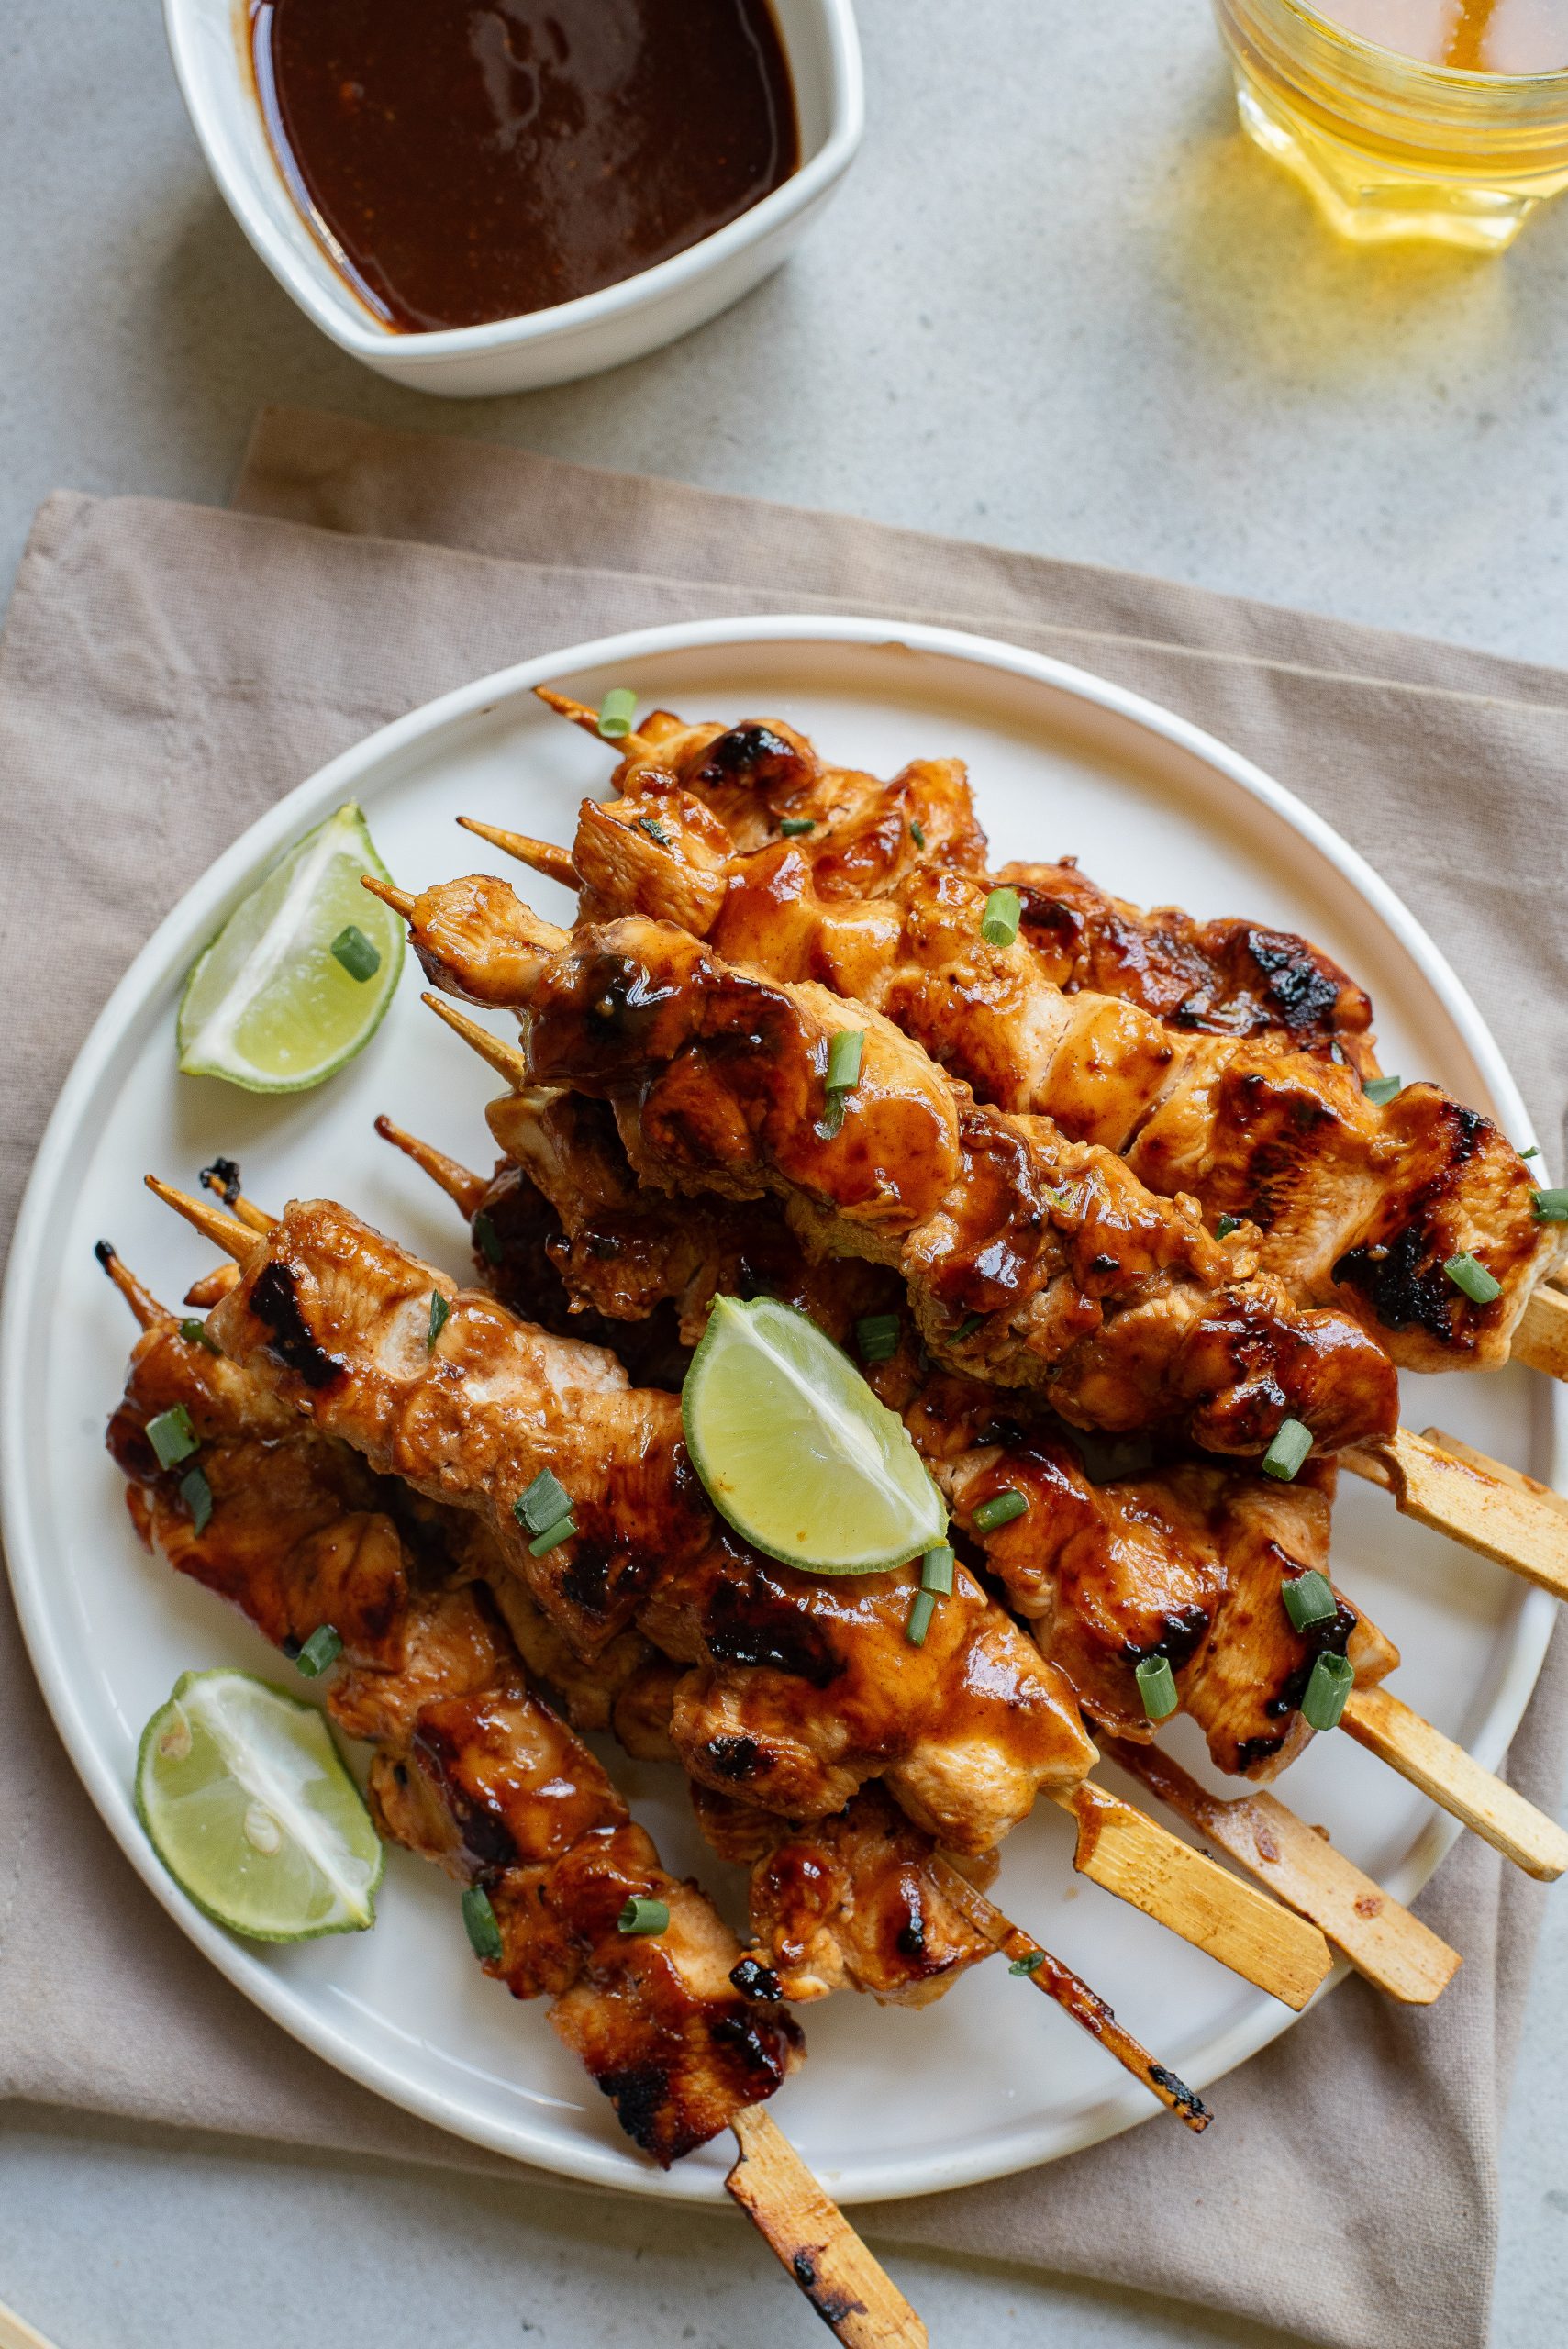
168	670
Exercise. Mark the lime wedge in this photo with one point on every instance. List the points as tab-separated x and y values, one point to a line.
299	977
248	1805
795	1449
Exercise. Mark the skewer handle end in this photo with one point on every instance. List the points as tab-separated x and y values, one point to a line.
810	2237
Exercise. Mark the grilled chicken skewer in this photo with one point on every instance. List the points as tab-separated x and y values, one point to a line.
1140	1564
522	1248
1029	1262
1480	1510
471	1407
471	1770
1357	1204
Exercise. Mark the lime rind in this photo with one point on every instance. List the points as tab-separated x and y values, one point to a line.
267	1006
796	1452
253	1747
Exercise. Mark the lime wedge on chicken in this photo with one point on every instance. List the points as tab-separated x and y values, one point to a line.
298	979
249	1806
795	1451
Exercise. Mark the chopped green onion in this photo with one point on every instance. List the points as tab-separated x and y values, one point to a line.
1309	1599
479	1919
545	1503
486	1238
654	831
795	828
172	1436
324	1646
615	713
967	1327
1382	1089
440	1311
877	1335
917	831
1333	1678
1550	1206
552	1537
196	1333
999	922
1000	1509
1031	1964
936	1569
1157	1686
844	1058
1289	1450
1533	1152
1471	1276
1225	1225
922	1606
642	1915
196	1494
831	1121
358	957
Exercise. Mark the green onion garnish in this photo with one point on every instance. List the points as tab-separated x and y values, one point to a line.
1289	1450
324	1646
1471	1276
654	831
795	828
486	1238
922	1606
831	1121
1000	1509
967	1327
440	1311
876	1336
358	957
1550	1206
1031	1964
642	1915
194	1333
196	1494
552	1537
844	1053
1533	1152
172	1436
615	713
936	1569
479	1919
999	922
917	831
1309	1599
1382	1089
1333	1678
545	1503
1157	1686
1225	1225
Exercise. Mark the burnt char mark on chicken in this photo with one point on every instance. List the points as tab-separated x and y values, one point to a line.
524	1271
275	1303
755	755
755	1626
1401	1272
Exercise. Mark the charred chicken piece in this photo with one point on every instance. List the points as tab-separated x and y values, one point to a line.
471	1769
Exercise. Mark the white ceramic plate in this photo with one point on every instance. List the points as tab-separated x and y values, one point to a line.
994	2078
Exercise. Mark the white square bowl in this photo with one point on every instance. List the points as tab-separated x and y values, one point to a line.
208	39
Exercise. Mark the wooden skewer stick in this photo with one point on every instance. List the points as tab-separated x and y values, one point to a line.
1383	1940
402	901
540	856
466	1190
1541	1337
581	714
244	1209
506	1059
1446	1772
1497	1470
812	2240
17	2334
225	1231
1476	1501
141	1301
1072	1994
1128	1854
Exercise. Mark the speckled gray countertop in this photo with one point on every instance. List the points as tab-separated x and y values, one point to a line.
1058	304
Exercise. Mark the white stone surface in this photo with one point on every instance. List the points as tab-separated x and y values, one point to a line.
1061	306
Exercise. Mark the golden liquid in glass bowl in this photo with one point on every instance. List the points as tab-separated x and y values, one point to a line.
1436	119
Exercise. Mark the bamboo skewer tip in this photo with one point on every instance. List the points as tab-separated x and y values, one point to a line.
225	1231
402	901
540	856
504	1059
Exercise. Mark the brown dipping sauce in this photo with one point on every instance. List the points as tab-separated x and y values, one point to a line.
472	160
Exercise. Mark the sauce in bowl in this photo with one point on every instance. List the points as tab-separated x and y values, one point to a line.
470	160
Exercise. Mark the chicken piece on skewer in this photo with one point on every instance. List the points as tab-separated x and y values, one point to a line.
1188	1563
1353	1203
471	1407
1031	1261
470	1769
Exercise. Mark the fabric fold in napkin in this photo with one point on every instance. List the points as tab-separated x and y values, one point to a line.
167	672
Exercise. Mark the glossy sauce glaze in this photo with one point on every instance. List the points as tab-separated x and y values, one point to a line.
467	163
